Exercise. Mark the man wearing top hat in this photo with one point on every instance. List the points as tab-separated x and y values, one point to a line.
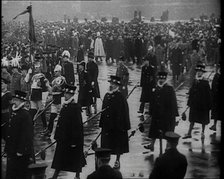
115	121
19	141
122	72
103	169
92	72
163	109
6	101
199	101
172	164
69	154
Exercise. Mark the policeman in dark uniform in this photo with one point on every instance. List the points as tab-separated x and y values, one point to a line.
147	82
172	164
115	121
19	141
103	169
69	154
163	109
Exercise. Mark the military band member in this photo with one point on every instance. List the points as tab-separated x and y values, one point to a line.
56	95
39	83
115	121
103	169
93	72
172	164
6	101
85	89
69	154
19	141
163	109
147	82
122	73
199	101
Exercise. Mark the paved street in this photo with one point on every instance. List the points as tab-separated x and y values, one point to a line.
202	156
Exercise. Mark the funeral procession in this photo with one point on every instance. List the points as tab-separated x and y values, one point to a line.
111	89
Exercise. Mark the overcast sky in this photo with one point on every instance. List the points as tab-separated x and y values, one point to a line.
55	10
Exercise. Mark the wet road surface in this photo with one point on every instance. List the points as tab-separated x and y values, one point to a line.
202	156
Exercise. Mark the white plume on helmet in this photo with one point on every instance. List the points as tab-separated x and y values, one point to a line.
66	53
58	68
4	62
15	61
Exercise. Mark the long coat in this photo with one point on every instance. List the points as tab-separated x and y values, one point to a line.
122	72
147	82
69	131
19	140
163	110
99	48
176	59
68	72
199	102
15	83
172	164
93	71
115	123
215	113
85	94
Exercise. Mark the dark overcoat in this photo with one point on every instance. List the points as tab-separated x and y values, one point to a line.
138	48
171	164
163	110
122	72
176	59
199	102
69	131
93	71
215	113
105	172
85	90
115	123
19	140
147	82
109	45
68	72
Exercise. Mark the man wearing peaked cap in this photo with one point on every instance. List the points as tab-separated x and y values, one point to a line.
69	136
115	121
172	164
199	101
163	109
19	141
103	169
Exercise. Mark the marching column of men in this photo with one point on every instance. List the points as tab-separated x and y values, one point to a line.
114	121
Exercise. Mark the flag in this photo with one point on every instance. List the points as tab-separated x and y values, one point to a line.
32	37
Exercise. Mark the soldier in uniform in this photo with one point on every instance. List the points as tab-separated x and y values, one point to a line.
215	112
16	77
172	164
147	81
92	72
199	101
122	73
19	141
69	154
163	109
68	68
56	95
6	101
103	169
115	121
85	89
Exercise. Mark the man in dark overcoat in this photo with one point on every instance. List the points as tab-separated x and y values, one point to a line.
69	154
85	90
92	72
138	48
68	68
172	164
176	59
19	141
103	169
199	101
216	94
163	109
115	121
148	80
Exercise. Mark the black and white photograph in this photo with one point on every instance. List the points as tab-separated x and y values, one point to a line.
111	89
